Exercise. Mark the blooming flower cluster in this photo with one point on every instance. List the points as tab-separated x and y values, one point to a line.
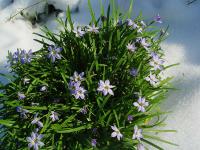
156	62
79	32
75	87
111	99
20	56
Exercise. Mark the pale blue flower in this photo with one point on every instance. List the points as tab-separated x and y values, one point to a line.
130	118
137	133
129	22
93	29
73	86
79	93
144	43
134	72
37	121
77	77
20	56
116	133
54	53
152	79
94	142
105	87
26	57
84	110
156	62
158	19
54	116
21	96
35	141
23	112
141	104
79	32
140	146
15	56
131	47
135	26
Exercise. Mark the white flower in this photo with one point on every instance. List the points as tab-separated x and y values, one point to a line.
79	93
116	132
156	62
144	43
54	116
37	121
77	77
137	133
35	141
152	79
131	47
105	87
93	29
43	88
79	32
141	104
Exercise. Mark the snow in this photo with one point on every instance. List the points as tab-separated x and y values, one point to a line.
182	47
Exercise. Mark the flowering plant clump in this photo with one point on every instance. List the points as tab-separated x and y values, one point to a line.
95	87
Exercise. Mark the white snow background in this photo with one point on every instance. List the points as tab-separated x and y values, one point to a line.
182	46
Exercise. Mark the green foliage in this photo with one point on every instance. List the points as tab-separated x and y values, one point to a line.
101	56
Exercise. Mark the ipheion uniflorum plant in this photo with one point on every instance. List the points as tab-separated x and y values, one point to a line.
94	87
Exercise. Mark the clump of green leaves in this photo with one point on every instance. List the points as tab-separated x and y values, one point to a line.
96	87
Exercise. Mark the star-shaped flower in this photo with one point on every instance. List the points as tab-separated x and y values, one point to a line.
54	116
141	104
79	93
116	132
35	141
137	133
37	121
131	47
152	79
156	62
54	53
77	77
79	32
93	29
105	87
